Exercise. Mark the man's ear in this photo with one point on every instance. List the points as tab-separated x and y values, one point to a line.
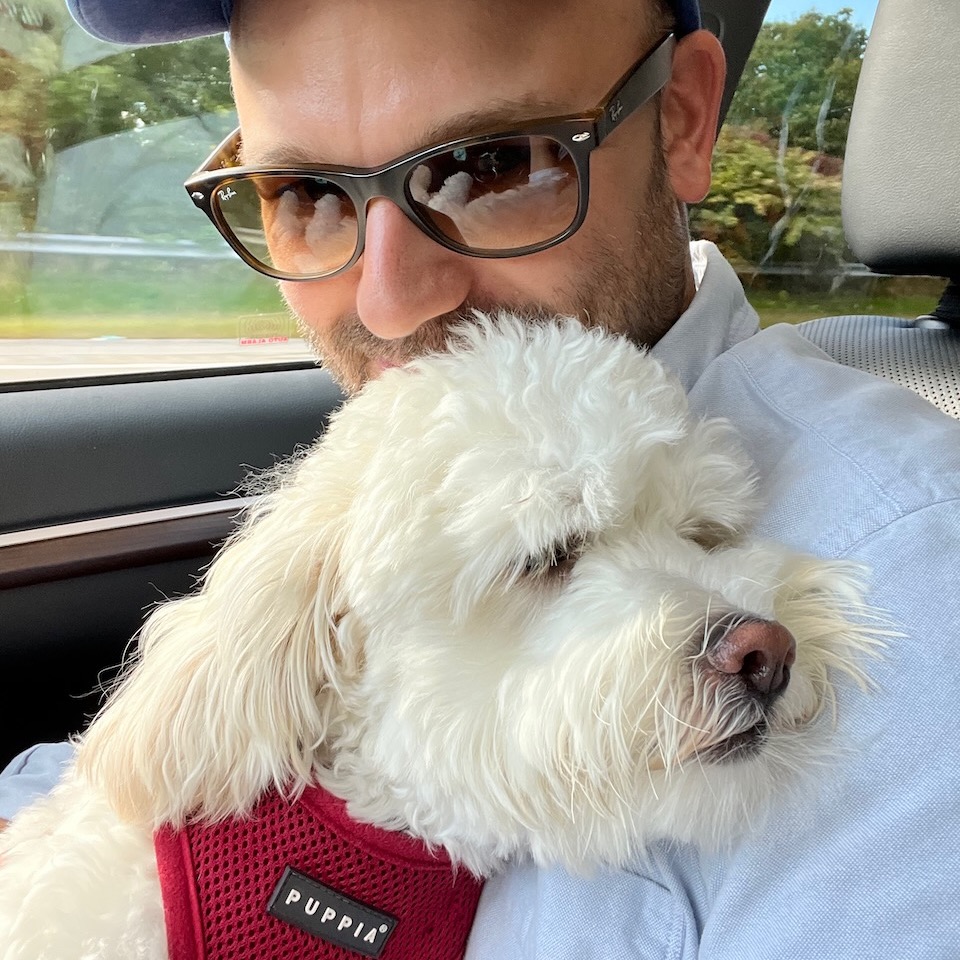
690	106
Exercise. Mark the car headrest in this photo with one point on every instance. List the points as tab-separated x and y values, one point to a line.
901	174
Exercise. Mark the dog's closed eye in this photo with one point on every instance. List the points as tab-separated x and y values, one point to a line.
711	536
556	562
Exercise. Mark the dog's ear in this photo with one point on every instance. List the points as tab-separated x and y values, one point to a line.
239	686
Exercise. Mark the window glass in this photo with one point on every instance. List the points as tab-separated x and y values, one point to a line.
774	206
106	266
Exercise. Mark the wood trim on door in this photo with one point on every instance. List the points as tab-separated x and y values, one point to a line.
85	547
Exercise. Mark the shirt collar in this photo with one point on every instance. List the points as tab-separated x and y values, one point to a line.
718	317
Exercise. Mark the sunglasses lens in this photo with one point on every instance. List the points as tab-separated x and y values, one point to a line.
300	226
498	195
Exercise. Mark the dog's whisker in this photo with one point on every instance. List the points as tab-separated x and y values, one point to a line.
679	721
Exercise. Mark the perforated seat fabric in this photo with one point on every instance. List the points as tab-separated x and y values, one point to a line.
925	360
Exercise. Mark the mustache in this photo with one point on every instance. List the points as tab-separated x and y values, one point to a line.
349	335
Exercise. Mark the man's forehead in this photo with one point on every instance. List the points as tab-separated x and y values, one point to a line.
360	91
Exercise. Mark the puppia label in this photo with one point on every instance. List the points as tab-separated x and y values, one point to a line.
330	915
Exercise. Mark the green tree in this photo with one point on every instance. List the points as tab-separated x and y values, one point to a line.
30	37
800	80
771	205
45	109
138	87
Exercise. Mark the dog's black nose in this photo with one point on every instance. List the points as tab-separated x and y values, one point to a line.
760	652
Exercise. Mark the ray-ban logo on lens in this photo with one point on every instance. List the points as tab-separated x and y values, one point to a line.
616	110
226	195
332	916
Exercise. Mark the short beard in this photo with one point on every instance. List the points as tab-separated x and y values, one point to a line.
638	293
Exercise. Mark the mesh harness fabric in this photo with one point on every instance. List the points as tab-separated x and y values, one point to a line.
217	879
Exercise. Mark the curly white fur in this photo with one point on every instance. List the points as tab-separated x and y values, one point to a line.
479	610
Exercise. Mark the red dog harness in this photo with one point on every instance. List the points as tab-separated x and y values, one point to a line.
303	881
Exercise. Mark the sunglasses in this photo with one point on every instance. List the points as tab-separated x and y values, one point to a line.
496	195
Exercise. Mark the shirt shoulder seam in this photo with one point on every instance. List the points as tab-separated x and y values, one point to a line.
933	505
877	486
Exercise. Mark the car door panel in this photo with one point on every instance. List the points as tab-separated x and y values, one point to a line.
114	496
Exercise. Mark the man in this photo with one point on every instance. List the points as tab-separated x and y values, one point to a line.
866	864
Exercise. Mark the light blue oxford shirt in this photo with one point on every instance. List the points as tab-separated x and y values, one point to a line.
866	862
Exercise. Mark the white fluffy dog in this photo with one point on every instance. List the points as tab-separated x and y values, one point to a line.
508	604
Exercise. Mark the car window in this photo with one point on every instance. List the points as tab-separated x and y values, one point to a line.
106	267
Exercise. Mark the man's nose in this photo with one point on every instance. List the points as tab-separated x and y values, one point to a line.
406	278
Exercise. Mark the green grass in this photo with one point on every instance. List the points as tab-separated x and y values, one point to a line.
150	303
779	306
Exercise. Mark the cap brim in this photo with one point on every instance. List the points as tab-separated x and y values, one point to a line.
151	21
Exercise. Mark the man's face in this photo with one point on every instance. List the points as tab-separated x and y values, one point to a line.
360	82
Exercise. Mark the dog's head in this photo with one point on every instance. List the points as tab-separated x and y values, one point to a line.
506	603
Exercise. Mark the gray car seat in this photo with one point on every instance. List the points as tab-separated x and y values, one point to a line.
901	197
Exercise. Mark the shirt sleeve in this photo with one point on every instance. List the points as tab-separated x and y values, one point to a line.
32	774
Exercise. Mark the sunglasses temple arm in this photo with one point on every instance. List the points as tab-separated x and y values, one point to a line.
633	91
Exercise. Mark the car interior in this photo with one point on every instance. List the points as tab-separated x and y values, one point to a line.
898	148
115	491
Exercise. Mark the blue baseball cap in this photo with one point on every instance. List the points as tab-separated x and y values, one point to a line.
161	21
